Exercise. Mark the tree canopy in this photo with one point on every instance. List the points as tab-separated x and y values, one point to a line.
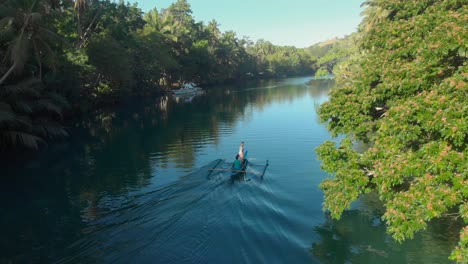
332	53
93	53
404	93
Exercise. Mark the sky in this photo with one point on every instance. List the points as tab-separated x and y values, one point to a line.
299	23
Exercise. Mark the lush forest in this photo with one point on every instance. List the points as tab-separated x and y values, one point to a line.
332	54
65	58
403	92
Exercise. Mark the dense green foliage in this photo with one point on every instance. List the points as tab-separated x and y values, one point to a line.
75	56
404	92
332	53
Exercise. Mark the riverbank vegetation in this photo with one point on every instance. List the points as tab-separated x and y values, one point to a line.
404	93
65	58
332	54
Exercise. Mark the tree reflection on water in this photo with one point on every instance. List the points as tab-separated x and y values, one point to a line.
360	237
48	200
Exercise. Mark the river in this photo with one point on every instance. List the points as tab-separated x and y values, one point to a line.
134	186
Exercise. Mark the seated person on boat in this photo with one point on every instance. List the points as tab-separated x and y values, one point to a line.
237	163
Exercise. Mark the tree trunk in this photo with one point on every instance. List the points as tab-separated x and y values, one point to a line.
8	73
38	59
84	36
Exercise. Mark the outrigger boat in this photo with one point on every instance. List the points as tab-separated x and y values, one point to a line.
237	174
187	90
242	171
243	168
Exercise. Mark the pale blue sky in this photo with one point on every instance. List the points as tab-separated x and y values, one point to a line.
300	23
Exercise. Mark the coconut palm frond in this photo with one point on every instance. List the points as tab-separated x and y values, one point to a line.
48	129
6	34
50	56
48	106
166	29
19	51
81	6
49	36
39	131
36	18
6	113
6	23
26	88
58	99
6	116
27	36
10	120
19	138
364	4
22	107
31	82
22	122
34	5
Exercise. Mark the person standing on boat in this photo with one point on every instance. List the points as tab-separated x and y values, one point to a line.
241	151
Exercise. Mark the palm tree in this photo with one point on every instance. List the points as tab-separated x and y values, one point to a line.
213	29
28	114
80	6
28	111
21	24
372	15
163	24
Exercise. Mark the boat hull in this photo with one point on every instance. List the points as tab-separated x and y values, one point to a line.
235	174
187	89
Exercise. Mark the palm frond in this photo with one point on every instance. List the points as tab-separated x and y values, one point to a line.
6	23
19	51
58	99
48	129
22	107
28	87
47	106
50	54
6	116
81	6
34	5
36	18
19	138
6	34
22	122
10	119
49	35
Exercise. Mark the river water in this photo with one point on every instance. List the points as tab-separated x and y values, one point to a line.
134	186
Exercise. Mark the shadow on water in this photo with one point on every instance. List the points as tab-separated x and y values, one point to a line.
360	237
70	187
113	193
173	224
149	219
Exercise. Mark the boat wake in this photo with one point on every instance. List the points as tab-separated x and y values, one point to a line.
174	223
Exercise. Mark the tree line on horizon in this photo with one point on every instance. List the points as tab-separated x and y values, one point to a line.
62	58
403	91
